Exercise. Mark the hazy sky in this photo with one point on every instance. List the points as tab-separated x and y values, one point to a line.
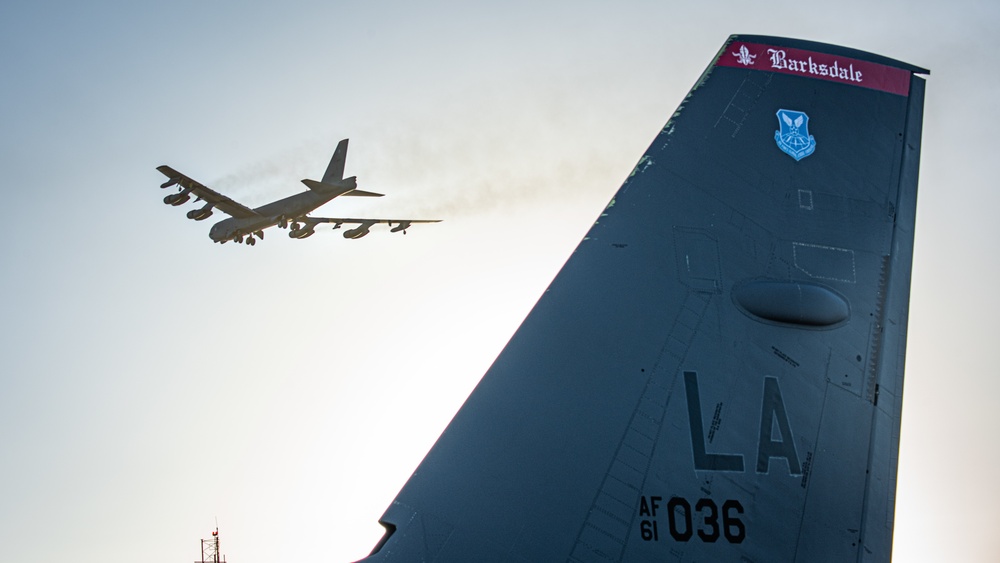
151	381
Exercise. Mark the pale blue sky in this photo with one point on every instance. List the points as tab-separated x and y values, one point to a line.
151	381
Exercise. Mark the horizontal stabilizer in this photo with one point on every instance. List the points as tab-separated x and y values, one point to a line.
326	188
363	193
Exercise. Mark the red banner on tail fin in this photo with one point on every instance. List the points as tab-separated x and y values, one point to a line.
816	65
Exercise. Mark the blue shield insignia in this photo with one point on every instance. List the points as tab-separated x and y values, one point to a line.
793	136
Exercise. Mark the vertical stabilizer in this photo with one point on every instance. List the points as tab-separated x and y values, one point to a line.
335	171
716	373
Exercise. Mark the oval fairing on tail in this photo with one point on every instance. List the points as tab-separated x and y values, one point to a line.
792	302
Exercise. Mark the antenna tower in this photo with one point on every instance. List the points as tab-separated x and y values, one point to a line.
210	549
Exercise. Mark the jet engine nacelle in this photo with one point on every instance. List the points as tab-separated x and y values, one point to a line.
402	226
301	233
169	182
176	199
200	214
358	232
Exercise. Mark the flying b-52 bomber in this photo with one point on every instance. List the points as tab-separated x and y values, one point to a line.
247	225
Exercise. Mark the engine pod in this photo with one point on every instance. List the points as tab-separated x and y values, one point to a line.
800	303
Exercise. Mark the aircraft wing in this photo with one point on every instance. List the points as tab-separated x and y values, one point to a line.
367	221
716	373
219	201
365	224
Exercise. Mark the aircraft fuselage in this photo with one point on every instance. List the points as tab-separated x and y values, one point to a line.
284	210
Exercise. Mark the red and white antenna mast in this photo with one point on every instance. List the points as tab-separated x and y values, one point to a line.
210	549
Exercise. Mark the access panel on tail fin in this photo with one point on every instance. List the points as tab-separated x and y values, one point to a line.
716	373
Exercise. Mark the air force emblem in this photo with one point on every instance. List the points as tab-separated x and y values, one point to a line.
793	137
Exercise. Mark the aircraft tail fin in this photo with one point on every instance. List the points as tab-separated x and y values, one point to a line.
716	373
335	171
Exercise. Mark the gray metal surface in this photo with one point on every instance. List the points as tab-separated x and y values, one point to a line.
716	373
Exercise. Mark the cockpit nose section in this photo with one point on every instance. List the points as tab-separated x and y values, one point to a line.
218	232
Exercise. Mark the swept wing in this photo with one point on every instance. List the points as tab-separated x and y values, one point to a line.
202	192
365	224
